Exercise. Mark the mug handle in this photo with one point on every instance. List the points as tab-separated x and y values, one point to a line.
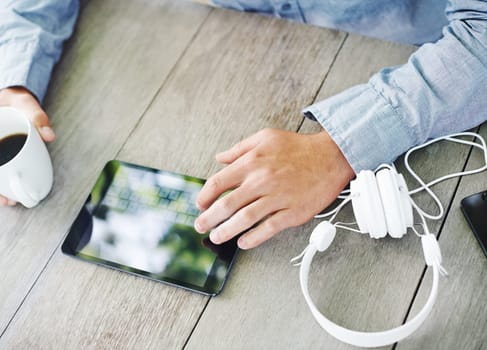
23	195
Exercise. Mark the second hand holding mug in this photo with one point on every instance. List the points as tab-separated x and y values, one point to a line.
26	173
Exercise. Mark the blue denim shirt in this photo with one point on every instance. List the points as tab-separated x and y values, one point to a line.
32	33
405	21
441	89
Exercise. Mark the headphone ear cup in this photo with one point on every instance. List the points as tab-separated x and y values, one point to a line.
387	181
366	203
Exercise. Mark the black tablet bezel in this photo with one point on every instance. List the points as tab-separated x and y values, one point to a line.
69	247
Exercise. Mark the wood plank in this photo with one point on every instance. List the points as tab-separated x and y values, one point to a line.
112	68
360	283
360	58
229	71
432	162
459	318
243	73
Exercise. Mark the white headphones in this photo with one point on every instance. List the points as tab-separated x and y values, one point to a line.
382	204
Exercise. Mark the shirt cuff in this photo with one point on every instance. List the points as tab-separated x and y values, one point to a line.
365	126
23	64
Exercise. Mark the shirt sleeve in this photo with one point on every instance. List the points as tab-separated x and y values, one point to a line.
440	90
31	38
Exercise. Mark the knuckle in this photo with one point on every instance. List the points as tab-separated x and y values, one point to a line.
268	173
248	216
272	134
272	227
262	132
238	148
226	205
251	162
268	131
266	177
41	117
259	183
214	183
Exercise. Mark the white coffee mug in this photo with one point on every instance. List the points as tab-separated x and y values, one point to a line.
28	177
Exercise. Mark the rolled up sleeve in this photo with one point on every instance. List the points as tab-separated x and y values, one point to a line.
31	38
440	90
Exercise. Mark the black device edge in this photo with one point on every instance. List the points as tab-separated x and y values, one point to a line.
111	265
463	206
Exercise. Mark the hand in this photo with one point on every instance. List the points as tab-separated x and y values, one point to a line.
21	99
280	179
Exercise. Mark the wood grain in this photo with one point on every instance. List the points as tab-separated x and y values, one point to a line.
168	84
360	283
242	73
459	317
112	68
430	163
229	83
358	60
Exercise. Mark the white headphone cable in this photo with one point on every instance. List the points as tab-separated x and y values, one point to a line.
335	211
427	186
424	186
324	234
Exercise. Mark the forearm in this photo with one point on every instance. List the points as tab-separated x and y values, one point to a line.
440	90
31	38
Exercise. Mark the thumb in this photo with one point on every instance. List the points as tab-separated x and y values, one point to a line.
41	122
24	101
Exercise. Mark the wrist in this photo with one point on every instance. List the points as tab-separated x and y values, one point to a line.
329	149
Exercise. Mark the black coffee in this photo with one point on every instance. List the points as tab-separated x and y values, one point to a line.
10	146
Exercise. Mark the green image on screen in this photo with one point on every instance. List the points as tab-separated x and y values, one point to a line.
141	221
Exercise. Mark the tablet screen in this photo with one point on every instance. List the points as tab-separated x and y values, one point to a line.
140	220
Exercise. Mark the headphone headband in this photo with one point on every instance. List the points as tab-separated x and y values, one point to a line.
381	203
368	339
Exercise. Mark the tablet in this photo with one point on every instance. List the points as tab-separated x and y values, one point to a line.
140	220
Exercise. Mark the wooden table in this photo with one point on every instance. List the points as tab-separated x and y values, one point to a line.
167	84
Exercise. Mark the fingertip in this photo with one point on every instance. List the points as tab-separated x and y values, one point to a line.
11	203
243	243
47	134
222	158
197	227
200	205
215	237
221	154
